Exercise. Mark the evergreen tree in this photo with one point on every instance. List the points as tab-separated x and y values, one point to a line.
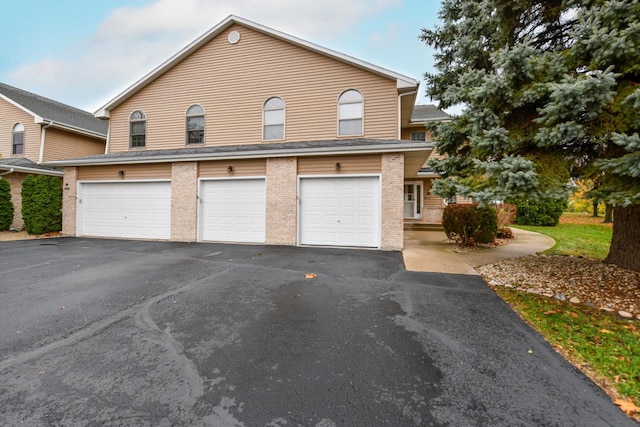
551	90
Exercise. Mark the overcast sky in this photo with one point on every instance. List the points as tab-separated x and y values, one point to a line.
84	52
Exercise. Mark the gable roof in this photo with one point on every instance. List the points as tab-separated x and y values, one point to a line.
45	110
428	112
403	82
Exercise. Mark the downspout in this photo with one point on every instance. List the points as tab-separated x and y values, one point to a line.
42	134
106	145
10	171
400	111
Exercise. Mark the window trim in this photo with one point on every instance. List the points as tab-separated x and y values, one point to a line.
131	134
284	118
14	133
417	131
187	116
339	103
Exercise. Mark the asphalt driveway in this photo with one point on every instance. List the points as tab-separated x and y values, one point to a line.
108	332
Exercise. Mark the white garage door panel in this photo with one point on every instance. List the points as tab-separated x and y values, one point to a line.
340	211
125	209
233	210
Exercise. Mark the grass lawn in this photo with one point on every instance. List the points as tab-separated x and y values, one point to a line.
577	235
603	346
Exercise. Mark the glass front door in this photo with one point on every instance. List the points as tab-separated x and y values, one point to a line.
412	200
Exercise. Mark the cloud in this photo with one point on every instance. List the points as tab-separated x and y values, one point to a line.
134	40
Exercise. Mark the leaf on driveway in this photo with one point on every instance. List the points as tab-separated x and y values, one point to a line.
310	276
627	406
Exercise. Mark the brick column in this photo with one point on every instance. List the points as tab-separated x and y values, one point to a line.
69	204
392	238
282	204
184	201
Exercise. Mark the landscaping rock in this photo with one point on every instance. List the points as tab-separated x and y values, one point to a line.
574	300
560	297
625	314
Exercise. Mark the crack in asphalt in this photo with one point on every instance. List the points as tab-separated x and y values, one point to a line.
100	325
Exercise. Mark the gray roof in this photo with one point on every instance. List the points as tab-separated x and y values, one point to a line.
282	149
424	113
22	164
58	112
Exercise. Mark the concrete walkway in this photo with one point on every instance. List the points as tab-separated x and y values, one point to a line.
430	251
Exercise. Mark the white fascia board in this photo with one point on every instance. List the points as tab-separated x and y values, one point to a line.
36	118
74	129
31	170
103	112
298	152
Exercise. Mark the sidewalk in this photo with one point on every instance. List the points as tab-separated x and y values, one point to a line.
430	251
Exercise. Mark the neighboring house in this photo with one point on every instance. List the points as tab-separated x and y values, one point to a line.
34	130
252	135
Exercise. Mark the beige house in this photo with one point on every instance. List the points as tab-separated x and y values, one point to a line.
252	135
35	130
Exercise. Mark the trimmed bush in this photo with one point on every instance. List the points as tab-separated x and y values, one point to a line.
6	205
42	204
469	224
540	212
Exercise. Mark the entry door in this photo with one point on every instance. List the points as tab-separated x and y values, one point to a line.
412	200
340	211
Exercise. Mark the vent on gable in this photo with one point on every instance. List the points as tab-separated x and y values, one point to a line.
234	37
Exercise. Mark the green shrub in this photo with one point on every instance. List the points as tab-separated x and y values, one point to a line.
42	204
539	212
6	205
469	224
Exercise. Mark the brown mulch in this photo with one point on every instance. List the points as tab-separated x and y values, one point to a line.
9	236
592	282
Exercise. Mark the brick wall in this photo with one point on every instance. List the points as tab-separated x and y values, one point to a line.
392	237
184	203
282	212
69	192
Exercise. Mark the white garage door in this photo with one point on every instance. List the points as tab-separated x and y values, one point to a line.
233	210
342	211
125	209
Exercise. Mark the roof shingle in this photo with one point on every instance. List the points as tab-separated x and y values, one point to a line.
55	111
424	113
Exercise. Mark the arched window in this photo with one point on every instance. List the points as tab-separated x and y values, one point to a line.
350	113
137	129
17	139
195	125
273	119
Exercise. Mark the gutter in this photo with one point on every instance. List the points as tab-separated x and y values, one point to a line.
299	152
31	170
41	120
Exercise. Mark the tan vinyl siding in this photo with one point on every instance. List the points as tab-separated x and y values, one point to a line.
406	132
232	82
60	144
370	163
218	168
131	172
9	116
